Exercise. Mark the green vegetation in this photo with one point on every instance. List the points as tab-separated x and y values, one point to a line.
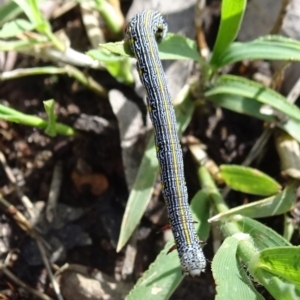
251	253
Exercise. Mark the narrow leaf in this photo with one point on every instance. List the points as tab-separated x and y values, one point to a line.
234	85
8	12
11	29
249	180
161	279
252	108
262	235
27	8
272	47
231	278
275	205
231	17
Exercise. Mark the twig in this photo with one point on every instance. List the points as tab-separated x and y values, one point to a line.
18	217
54	192
294	93
278	23
24	199
48	268
23	285
204	50
26	226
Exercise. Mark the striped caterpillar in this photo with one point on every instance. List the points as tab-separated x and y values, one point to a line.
144	31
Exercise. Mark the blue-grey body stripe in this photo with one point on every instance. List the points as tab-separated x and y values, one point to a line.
144	31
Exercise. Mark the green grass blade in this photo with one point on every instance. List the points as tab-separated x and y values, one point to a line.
272	206
231	278
252	108
140	195
231	17
249	180
164	275
229	84
173	47
9	11
241	105
262	235
30	8
272	47
161	279
35	16
148	170
110	16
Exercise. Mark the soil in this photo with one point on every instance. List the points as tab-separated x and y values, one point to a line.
93	188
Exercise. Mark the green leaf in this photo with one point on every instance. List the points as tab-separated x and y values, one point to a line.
164	275
229	84
118	66
249	180
147	173
173	46
121	71
200	213
11	29
275	205
161	279
279	288
262	235
8	11
232	13
178	47
35	16
140	194
231	278
30	8
12	9
272	47
104	55
252	108
281	261
51	126
242	105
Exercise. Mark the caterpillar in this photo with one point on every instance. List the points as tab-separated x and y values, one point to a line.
144	31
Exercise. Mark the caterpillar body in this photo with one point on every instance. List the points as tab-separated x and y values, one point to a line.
144	31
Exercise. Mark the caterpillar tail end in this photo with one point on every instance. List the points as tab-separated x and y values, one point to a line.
195	272
193	261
